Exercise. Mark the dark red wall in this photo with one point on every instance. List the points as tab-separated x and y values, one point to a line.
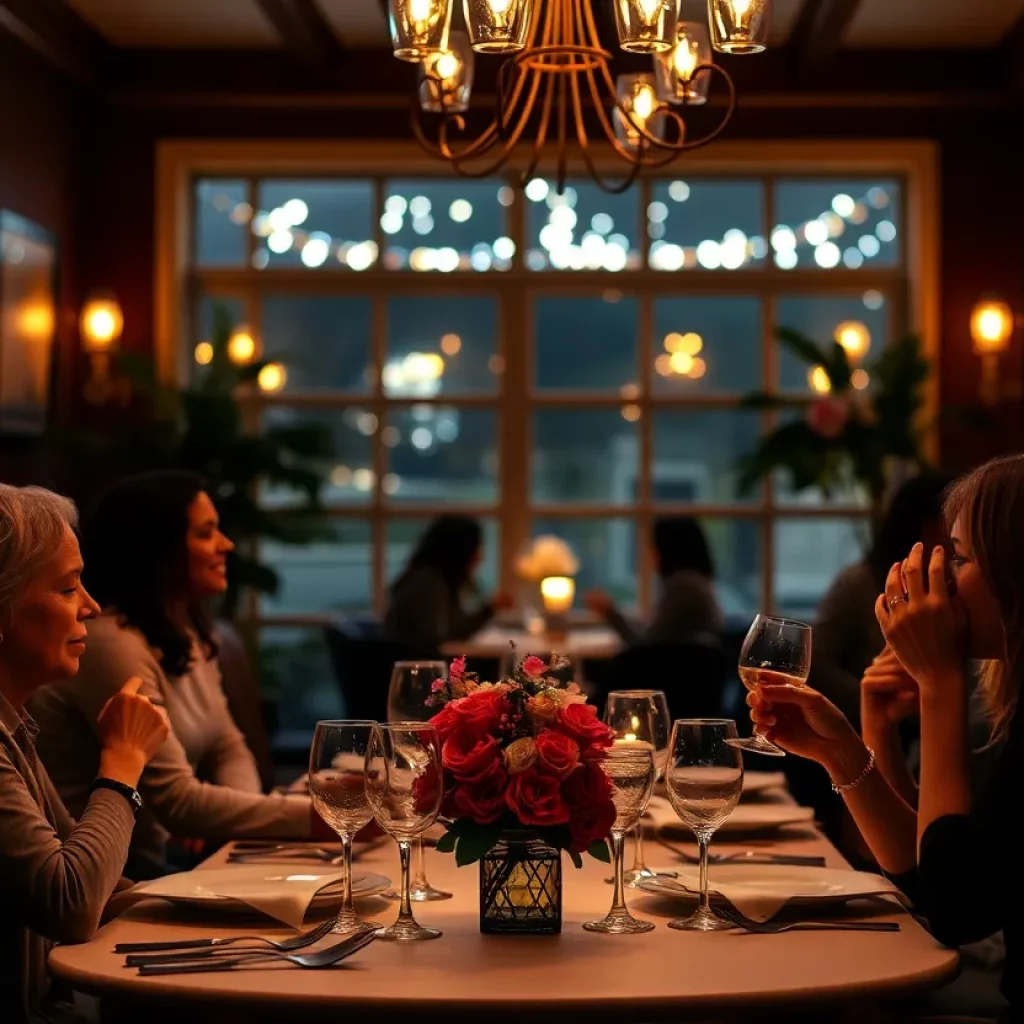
982	213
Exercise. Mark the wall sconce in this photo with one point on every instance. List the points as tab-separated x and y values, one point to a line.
100	324
992	324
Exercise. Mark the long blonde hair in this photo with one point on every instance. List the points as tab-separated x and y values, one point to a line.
989	502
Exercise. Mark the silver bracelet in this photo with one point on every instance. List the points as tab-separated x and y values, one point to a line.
868	769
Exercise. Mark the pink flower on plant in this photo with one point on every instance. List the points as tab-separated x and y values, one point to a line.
437	686
457	669
828	416
534	666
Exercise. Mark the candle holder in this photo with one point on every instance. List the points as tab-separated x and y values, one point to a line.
557	593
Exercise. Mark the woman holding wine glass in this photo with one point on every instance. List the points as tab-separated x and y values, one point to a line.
640	717
412	683
337	768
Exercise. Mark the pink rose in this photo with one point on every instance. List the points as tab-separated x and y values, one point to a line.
536	799
580	722
557	754
534	666
468	755
828	416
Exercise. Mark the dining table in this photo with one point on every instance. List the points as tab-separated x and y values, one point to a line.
465	975
598	643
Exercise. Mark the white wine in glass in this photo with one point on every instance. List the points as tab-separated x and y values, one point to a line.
776	652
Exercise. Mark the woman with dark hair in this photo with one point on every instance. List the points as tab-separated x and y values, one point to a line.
846	633
687	609
425	608
157	557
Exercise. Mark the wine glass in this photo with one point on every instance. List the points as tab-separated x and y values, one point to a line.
337	764
704	777
631	769
777	652
411	684
640	716
403	788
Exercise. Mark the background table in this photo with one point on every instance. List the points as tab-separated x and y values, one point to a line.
596	642
662	975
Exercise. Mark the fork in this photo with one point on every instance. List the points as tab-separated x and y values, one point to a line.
731	913
321	958
279	945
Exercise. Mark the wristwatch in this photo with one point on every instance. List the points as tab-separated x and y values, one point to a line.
131	795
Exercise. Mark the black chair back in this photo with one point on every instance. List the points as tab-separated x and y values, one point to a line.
692	675
362	667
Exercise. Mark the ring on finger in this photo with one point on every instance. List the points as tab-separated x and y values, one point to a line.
893	601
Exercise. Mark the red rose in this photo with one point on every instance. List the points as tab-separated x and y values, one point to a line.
482	799
557	754
580	722
480	713
446	721
534	666
536	799
426	791
588	793
466	755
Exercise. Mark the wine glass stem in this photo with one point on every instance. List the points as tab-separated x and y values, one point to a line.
638	850
405	856
703	841
419	878
618	849
346	891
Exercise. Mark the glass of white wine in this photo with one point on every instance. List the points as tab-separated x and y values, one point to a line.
337	786
631	771
704	779
411	684
776	652
640	716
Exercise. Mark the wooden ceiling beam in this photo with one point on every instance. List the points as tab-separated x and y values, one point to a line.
305	33
818	32
54	31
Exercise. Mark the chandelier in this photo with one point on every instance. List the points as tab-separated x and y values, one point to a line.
557	74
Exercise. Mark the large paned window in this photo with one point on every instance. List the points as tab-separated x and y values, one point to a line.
568	364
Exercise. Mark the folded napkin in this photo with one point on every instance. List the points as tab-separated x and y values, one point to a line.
763	899
283	892
754	817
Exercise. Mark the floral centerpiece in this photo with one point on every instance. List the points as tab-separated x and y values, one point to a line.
522	781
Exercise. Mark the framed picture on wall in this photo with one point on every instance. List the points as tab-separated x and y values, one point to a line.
28	282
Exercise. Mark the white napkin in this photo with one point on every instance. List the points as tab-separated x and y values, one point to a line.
754	817
763	901
283	892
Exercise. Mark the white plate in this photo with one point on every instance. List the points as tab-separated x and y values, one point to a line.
767	888
753	817
245	887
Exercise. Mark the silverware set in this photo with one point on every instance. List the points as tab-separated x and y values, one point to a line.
197	956
749	857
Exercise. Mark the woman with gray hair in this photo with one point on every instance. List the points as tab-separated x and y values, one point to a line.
55	875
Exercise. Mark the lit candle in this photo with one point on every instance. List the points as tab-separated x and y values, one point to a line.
558	593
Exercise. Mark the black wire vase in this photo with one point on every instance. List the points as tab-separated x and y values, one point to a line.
521	887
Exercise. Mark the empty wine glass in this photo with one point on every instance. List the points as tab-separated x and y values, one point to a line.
411	684
631	770
640	716
704	777
337	766
404	788
775	652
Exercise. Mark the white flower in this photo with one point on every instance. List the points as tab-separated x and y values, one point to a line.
547	556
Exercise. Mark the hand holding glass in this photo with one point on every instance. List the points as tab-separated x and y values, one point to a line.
404	789
704	778
630	768
337	763
776	651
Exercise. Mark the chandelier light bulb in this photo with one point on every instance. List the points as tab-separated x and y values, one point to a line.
419	28
675	72
646	26
498	26
446	78
740	26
